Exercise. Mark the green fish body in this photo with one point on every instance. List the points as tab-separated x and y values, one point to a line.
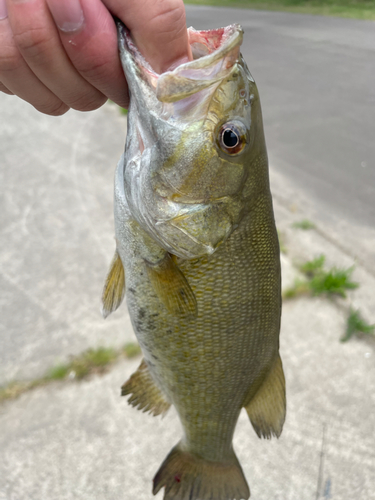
198	258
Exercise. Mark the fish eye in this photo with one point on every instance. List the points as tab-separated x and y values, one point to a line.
232	138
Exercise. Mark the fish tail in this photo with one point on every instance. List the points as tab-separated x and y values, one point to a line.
188	477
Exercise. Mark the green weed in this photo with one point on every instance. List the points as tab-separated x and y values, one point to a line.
131	350
304	224
356	325
299	288
333	282
281	242
92	361
318	281
59	372
12	390
312	267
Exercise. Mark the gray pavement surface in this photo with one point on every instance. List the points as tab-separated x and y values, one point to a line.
57	236
315	76
81	440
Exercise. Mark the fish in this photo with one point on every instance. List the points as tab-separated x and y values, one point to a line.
197	258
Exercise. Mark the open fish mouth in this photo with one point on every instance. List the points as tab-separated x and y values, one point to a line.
214	52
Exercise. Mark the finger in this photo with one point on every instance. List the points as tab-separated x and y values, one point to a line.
158	29
92	47
5	90
18	78
37	39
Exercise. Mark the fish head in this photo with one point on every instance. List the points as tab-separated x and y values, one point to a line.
195	140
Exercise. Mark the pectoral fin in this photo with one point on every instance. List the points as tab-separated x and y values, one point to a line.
114	287
267	408
145	395
172	287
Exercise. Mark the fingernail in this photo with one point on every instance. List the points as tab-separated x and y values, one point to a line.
68	14
3	10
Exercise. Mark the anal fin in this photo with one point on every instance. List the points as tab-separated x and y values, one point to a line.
114	286
267	408
145	395
172	287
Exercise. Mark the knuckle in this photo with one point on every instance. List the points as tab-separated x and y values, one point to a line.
33	41
10	60
5	90
87	104
98	66
57	108
170	16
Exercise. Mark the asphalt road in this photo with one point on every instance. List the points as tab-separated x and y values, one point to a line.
316	81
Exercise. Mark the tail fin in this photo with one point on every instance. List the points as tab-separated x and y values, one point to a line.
189	477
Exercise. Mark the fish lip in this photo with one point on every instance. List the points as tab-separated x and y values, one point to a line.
230	37
222	45
125	43
188	78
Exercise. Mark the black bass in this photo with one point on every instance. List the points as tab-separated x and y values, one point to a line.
198	258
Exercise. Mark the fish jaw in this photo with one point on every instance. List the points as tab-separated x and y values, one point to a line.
180	188
215	52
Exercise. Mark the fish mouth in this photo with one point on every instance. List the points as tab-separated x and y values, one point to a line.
214	51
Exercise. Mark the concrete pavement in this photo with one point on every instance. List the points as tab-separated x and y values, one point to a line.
81	440
57	236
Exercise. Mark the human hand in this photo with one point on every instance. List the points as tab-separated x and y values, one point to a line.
61	54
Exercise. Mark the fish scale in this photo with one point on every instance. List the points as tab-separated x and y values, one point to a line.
201	275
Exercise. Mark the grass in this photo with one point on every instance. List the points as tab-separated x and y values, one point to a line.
356	325
281	242
313	267
358	9
304	224
131	350
90	362
333	282
318	281
299	288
